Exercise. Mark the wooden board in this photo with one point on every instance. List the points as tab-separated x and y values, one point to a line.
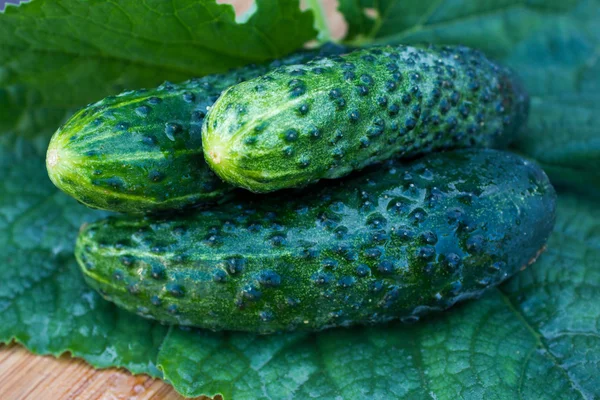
24	376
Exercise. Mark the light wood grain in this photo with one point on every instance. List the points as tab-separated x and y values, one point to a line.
27	376
24	376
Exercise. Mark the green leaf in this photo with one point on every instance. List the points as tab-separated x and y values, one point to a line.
44	303
59	55
553	45
536	337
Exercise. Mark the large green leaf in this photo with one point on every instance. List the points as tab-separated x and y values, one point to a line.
58	55
44	302
535	337
554	45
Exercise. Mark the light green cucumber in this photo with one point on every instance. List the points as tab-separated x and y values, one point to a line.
141	151
301	123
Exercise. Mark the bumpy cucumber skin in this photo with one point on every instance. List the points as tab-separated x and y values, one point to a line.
300	123
397	242
141	151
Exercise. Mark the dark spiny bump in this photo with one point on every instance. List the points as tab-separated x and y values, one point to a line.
362	270
172	128
155	300
335	93
497	266
473	85
362	90
269	279
382	101
277	240
291	135
416	110
385	267
235	265
143	111
118	275
376	221
367	79
340	232
303	162
266	316
158	272
475	243
403	233
444	106
251	293
303	109
425	252
379	237
372	253
292	302
376	286
391	86
346	281
452	261
156	176
298	91
454	97
368	58
321	278
172	309
219	276
348	66
189	97
314	132
298	72
175	290
127	260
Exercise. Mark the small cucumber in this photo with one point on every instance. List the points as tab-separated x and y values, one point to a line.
300	123
141	151
396	242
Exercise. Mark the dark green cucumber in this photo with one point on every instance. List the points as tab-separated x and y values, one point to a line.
300	123
396	242
141	151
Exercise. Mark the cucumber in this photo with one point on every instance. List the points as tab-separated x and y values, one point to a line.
141	151
396	242
300	123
